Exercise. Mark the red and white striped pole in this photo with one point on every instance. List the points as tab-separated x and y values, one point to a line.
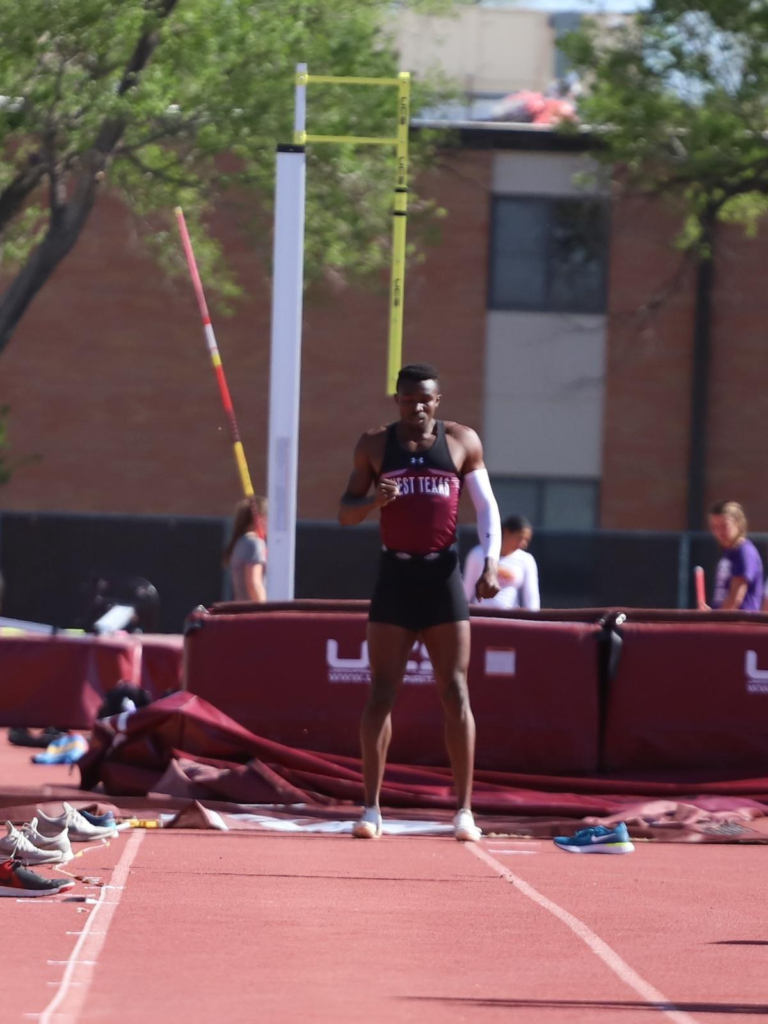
210	338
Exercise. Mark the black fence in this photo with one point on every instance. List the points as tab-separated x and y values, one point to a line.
50	561
595	569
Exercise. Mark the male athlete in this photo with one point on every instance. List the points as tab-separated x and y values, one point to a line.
417	466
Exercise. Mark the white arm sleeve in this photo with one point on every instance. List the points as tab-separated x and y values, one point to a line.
473	567
488	519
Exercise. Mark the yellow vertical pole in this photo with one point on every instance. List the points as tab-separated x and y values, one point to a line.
399	222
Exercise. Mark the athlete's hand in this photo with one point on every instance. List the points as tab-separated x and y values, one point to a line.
386	492
488	584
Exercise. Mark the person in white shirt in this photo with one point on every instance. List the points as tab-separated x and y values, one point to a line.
518	572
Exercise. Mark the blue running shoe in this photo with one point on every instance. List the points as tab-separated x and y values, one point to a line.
107	820
597	840
65	749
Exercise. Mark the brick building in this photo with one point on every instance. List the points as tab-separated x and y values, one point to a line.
534	306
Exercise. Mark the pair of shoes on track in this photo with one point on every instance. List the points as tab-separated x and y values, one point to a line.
81	826
17	881
27	846
369	825
46	840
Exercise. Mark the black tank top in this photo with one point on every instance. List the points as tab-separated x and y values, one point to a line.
423	517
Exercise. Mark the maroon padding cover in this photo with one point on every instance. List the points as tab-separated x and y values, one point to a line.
324	605
600	615
690	615
302	679
62	680
59	680
689	696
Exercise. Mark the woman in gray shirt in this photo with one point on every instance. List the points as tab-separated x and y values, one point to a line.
246	553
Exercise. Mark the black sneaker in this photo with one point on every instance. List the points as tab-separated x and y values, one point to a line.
20	736
20	882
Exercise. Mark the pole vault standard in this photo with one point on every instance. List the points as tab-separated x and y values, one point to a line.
287	295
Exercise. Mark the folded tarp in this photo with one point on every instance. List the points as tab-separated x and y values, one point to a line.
183	747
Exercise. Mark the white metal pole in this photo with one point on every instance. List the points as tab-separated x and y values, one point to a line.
285	365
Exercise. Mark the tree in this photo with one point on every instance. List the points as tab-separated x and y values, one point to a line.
677	96
181	102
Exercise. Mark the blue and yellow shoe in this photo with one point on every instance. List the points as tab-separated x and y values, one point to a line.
65	749
597	840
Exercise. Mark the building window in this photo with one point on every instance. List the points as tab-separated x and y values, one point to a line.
549	254
549	502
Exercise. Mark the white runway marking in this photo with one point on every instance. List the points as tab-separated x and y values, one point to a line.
86	952
601	949
516	853
57	962
515	842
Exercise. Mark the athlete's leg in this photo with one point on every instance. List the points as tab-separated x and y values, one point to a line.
388	650
448	647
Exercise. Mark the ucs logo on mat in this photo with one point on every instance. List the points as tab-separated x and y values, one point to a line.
358	670
756	678
498	661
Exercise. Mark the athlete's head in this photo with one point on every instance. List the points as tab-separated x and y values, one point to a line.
418	393
728	523
516	534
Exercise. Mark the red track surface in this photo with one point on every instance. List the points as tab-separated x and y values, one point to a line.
235	927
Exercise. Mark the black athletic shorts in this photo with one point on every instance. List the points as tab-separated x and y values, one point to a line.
417	593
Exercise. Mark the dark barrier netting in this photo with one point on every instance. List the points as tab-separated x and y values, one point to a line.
49	562
336	562
576	570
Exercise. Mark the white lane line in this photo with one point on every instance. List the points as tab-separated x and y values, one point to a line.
89	945
601	949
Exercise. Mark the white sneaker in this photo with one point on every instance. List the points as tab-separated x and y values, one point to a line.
79	829
369	825
15	846
56	844
464	827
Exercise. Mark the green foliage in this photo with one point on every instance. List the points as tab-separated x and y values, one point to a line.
678	97
22	234
198	124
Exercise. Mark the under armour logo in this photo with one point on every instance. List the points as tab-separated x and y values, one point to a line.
416	461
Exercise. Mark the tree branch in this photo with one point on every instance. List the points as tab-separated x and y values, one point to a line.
161	172
13	195
164	130
145	47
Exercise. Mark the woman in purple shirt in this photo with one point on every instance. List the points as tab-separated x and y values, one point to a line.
739	575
